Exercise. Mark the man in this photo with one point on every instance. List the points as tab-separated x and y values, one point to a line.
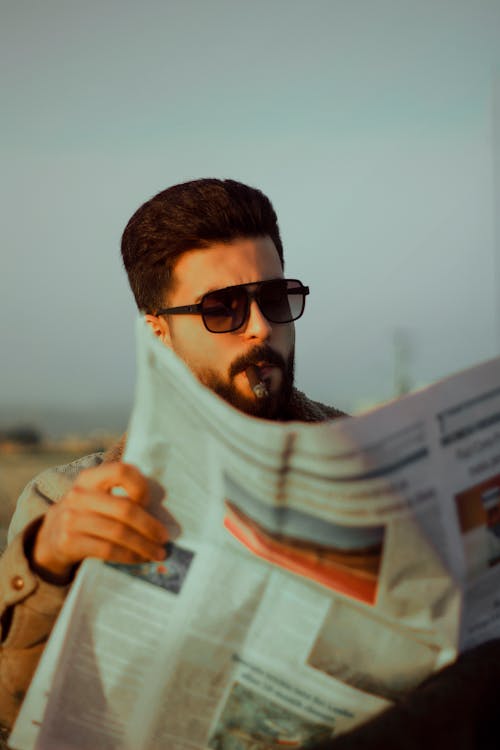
179	249
205	263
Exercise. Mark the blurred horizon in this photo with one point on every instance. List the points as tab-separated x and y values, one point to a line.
55	421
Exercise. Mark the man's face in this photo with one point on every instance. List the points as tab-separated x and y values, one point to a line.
219	360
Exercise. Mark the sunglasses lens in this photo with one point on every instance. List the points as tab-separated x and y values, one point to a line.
224	310
279	302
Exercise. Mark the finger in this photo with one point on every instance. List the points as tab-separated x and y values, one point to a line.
122	510
115	534
106	476
106	550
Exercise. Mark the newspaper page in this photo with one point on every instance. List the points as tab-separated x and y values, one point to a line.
316	571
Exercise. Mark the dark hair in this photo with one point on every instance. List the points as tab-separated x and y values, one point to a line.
190	216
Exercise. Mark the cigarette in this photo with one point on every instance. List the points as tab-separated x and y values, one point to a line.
256	384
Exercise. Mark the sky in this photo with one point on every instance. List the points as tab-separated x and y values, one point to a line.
373	126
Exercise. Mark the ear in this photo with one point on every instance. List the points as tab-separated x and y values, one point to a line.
160	328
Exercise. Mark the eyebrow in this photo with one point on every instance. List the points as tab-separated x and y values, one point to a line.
199	297
220	288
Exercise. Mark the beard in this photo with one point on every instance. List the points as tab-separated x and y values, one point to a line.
268	407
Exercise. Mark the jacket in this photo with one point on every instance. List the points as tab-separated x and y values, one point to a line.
29	605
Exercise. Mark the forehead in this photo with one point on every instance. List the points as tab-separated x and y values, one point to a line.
241	261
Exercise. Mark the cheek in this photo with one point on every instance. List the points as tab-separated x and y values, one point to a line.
205	350
285	339
189	341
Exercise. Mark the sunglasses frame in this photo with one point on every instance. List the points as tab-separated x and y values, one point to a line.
250	296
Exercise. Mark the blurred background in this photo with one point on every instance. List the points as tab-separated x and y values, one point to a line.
373	126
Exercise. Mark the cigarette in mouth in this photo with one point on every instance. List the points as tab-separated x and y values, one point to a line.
256	384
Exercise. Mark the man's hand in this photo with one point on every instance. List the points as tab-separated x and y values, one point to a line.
90	521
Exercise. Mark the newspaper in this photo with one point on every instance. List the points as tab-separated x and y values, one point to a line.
316	572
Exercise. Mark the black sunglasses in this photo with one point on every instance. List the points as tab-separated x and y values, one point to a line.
226	310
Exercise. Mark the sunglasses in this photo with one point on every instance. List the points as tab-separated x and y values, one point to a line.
226	310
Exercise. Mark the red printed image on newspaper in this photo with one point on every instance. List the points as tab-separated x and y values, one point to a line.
343	558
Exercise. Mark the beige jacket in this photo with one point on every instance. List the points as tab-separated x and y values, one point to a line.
29	606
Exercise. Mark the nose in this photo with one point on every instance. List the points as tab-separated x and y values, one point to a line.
257	325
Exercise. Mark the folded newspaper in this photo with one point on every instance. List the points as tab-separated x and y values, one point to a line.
316	572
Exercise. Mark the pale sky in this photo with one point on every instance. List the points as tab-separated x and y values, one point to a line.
369	123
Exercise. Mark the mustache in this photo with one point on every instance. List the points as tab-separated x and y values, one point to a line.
258	354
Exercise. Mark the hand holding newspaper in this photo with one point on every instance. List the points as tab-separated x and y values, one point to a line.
316	573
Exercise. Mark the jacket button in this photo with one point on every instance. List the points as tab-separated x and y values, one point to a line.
17	583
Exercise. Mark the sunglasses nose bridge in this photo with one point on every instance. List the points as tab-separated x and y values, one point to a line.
247	297
257	323
255	295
